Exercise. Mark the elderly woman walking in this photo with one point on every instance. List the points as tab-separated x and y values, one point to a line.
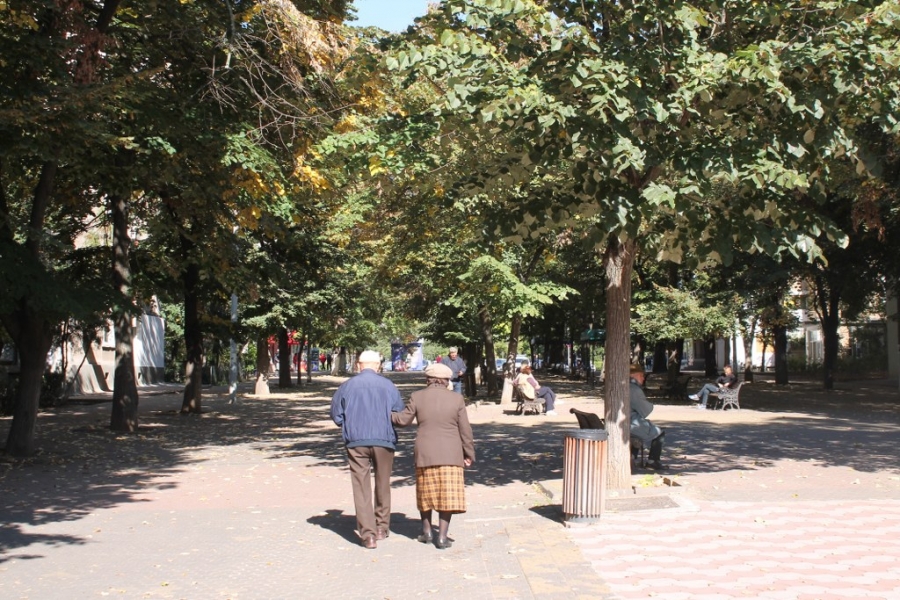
444	447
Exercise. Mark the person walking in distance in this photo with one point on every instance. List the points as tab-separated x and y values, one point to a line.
362	408
457	367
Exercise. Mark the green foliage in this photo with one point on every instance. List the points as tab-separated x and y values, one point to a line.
670	313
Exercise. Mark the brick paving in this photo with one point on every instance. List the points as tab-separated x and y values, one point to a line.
253	501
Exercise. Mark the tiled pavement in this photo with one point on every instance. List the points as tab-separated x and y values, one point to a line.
256	504
718	550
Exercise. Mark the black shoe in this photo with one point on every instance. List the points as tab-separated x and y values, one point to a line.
423	538
442	543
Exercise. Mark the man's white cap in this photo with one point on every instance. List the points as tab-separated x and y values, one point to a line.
369	356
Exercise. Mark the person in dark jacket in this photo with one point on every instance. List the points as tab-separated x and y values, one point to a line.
727	380
362	408
444	447
457	368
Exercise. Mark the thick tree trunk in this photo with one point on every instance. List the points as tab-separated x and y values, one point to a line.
779	333
284	360
125	394
831	347
30	331
33	345
619	262
193	341
660	364
262	366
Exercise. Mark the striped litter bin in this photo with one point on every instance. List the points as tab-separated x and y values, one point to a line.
584	475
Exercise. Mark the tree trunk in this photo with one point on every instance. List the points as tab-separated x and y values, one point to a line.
29	330
487	333
673	360
515	327
284	359
470	356
779	333
711	366
262	366
33	345
660	364
619	263
748	350
193	341
125	393
827	308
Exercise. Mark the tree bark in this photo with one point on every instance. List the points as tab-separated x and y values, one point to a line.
284	361
31	332
660	364
619	263
779	334
827	307
490	362
193	341
711	364
125	393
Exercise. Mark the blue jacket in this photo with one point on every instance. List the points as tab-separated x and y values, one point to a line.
362	407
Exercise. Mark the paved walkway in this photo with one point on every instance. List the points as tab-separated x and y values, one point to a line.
253	501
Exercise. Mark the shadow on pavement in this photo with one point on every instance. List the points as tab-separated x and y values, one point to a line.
83	467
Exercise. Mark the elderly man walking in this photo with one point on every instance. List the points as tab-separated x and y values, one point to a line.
457	367
362	407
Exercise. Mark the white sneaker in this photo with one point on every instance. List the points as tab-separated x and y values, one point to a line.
694	397
701	407
550	413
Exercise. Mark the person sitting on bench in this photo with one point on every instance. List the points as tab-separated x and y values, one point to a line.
641	427
530	387
727	380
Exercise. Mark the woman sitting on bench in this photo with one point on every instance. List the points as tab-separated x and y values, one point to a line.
530	387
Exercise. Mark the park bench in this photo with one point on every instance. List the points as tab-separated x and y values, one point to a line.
588	420
728	397
525	404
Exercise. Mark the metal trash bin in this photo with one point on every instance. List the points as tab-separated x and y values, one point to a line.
584	475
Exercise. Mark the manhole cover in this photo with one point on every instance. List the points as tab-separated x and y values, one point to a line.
639	503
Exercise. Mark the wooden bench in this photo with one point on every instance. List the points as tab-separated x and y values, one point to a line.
588	420
525	405
729	397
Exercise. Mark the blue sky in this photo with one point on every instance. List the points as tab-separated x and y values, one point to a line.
391	15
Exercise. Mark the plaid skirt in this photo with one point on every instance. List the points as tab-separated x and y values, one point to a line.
441	488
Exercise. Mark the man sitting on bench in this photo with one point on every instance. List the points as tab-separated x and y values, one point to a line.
727	380
641	427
